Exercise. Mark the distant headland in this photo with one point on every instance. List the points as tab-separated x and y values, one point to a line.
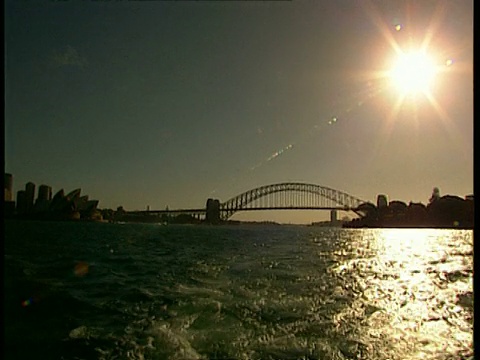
447	211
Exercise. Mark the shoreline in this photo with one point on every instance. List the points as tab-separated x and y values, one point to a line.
239	223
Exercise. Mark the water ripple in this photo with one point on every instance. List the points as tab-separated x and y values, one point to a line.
185	292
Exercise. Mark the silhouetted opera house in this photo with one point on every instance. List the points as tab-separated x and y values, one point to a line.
71	206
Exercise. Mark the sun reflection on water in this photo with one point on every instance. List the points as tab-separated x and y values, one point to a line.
416	292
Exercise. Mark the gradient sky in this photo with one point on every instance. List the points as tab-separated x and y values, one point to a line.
169	103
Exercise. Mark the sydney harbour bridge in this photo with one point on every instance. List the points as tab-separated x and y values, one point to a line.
281	196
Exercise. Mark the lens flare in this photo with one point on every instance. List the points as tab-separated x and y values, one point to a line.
280	152
27	302
80	269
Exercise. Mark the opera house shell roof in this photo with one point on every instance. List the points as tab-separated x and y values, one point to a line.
72	204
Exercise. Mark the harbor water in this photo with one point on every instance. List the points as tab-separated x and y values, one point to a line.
79	290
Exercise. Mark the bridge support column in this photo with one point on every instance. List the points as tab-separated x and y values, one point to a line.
333	216
212	214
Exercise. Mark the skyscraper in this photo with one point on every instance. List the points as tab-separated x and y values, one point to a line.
382	201
43	199
8	203
435	195
21	203
44	193
8	187
29	196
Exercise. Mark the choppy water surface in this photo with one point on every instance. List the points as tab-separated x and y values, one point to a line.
134	291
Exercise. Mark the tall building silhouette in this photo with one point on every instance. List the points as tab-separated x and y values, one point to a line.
21	202
8	187
8	201
44	193
435	195
43	199
382	201
29	196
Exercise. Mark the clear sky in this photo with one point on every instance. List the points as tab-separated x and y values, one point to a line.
169	103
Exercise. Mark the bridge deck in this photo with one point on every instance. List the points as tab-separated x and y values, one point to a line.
196	211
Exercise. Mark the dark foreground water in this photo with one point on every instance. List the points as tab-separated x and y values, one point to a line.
135	291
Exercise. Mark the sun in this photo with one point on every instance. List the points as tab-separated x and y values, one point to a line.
411	67
413	72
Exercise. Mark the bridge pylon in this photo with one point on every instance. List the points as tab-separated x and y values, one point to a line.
212	213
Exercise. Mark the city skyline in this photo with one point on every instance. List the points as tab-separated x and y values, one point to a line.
168	104
441	211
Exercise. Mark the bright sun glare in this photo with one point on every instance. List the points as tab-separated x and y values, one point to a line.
413	72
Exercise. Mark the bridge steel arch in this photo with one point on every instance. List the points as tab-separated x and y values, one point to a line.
289	195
